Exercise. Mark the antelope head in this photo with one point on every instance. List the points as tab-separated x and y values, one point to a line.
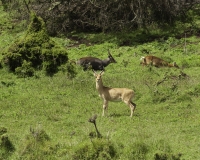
98	76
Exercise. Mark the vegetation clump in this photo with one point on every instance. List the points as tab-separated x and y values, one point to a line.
166	156
95	149
164	152
37	144
35	51
6	146
3	130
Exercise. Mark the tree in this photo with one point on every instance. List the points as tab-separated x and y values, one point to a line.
62	16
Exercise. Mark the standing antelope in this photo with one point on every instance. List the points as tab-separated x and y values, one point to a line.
95	63
157	62
114	94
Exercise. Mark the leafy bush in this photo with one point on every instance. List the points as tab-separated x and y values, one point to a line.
166	156
165	152
34	51
26	70
95	149
70	69
37	145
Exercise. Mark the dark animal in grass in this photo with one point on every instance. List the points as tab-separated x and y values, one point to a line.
95	63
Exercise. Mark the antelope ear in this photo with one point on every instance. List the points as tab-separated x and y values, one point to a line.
109	52
102	72
174	64
95	74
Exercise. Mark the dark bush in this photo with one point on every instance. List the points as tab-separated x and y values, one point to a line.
3	130
115	15
26	70
166	156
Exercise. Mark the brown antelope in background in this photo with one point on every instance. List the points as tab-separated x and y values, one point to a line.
157	62
114	94
95	63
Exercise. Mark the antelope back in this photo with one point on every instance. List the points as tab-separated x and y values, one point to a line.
157	62
90	63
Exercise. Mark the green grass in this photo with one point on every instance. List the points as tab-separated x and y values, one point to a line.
165	124
62	107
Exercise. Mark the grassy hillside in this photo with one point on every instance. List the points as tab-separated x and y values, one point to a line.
47	117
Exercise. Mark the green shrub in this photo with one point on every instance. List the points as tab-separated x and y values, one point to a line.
35	50
95	149
26	70
166	156
70	69
37	145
